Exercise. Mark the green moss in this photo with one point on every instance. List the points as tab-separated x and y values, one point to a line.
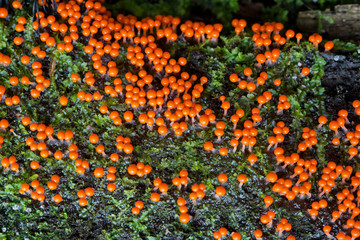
108	215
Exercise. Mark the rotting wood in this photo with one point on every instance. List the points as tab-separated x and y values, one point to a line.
345	23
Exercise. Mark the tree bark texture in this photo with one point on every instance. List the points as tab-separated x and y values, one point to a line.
343	22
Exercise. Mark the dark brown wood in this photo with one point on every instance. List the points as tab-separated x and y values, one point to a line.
343	22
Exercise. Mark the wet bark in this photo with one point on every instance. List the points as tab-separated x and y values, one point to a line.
343	22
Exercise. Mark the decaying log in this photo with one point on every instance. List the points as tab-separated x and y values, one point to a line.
345	23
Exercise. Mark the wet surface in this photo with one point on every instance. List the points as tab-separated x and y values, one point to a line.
341	82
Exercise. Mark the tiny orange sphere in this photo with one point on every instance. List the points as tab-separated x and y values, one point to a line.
82	202
57	198
222	178
94	138
111	187
184	217
135	210
99	172
63	101
305	71
155	197
220	191
89	191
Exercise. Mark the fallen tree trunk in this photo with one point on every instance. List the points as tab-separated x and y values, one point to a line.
343	22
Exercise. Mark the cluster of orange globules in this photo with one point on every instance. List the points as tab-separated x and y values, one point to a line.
174	105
